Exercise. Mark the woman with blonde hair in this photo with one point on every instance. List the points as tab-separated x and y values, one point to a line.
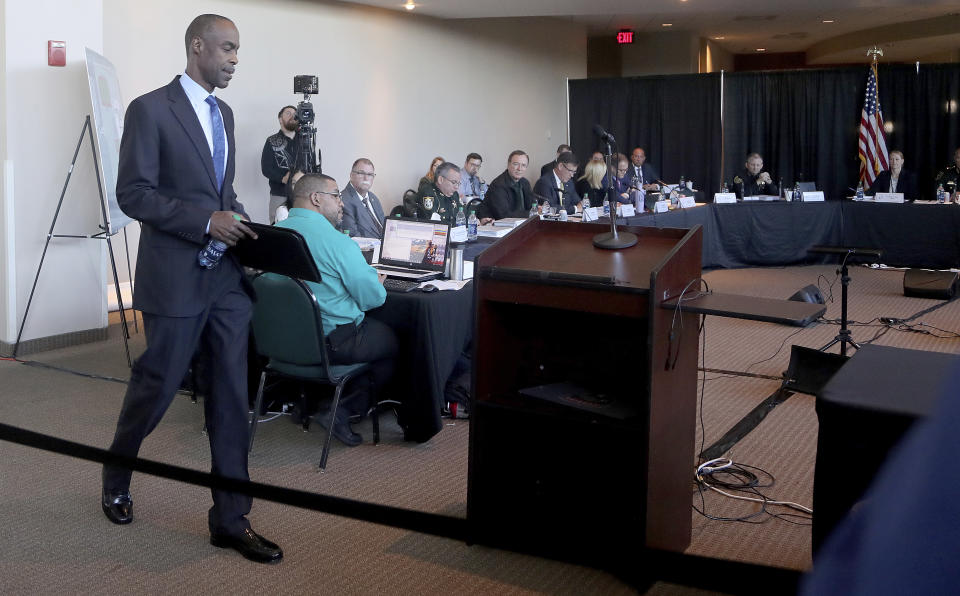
592	185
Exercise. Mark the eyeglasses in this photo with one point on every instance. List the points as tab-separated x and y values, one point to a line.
332	194
475	164
567	168
451	180
364	174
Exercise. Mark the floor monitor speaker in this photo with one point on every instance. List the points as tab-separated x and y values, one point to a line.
809	294
921	283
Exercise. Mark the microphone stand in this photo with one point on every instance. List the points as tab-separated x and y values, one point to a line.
612	240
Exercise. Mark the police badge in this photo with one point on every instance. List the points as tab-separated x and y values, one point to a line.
428	203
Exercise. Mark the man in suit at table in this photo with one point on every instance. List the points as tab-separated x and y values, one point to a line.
175	176
509	194
557	188
362	212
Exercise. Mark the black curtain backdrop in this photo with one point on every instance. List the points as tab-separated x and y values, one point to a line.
676	119
805	123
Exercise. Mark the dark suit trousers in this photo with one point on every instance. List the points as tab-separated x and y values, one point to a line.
375	343
221	330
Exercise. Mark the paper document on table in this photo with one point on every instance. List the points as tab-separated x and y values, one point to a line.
493	231
446	284
510	222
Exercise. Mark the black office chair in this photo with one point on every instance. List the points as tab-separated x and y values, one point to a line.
474	204
807	186
396	211
288	330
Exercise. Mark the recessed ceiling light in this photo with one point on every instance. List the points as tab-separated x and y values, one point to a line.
409	5
761	49
719	37
666	25
827	21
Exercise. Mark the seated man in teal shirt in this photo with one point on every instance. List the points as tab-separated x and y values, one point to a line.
348	288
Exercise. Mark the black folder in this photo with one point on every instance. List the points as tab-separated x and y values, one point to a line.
277	250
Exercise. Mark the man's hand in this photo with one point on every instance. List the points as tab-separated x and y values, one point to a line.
764	178
486	220
228	230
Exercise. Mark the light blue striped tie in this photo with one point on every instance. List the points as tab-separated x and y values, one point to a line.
219	140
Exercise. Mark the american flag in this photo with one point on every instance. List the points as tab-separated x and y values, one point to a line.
873	141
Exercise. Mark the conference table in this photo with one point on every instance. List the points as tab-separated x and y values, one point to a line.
433	329
758	234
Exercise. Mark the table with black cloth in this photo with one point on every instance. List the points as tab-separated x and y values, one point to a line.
758	234
433	329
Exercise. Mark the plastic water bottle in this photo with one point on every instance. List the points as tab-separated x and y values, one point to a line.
606	207
941	194
210	255
533	210
472	223
724	187
683	184
461	218
796	192
563	214
860	191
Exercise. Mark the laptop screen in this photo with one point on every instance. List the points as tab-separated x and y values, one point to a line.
414	243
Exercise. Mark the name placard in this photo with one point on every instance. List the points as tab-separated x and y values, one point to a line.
816	196
626	211
687	202
458	233
591	214
724	197
888	197
661	207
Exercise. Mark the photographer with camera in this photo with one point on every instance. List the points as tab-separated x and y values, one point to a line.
276	161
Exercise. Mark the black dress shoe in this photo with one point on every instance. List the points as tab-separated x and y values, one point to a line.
340	428
251	545
117	506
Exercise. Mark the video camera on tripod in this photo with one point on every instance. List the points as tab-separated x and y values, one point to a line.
306	143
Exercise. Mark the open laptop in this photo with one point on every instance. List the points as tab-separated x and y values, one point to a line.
413	249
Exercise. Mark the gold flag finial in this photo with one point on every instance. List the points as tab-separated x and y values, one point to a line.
875	53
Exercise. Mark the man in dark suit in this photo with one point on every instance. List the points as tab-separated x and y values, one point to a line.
362	211
548	167
557	186
642	170
175	176
509	194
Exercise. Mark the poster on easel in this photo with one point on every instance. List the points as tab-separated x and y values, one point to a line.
108	112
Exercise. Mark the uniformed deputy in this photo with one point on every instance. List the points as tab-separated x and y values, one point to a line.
949	177
753	181
277	158
440	197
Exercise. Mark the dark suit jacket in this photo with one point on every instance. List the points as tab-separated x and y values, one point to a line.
546	187
166	180
547	168
650	174
907	184
500	201
356	217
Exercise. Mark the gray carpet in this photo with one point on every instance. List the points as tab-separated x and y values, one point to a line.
55	539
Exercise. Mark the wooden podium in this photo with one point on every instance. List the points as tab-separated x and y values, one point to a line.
584	397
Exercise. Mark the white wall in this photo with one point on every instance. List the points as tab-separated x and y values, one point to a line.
396	87
44	112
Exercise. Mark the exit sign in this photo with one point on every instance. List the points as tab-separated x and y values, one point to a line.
625	36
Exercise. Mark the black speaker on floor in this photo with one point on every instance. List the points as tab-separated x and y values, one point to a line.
920	283
809	294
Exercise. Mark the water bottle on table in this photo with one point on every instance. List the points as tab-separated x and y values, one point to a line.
472	223
461	219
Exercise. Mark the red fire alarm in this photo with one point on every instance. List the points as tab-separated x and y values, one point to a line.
625	36
56	53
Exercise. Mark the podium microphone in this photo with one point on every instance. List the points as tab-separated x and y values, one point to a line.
606	136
